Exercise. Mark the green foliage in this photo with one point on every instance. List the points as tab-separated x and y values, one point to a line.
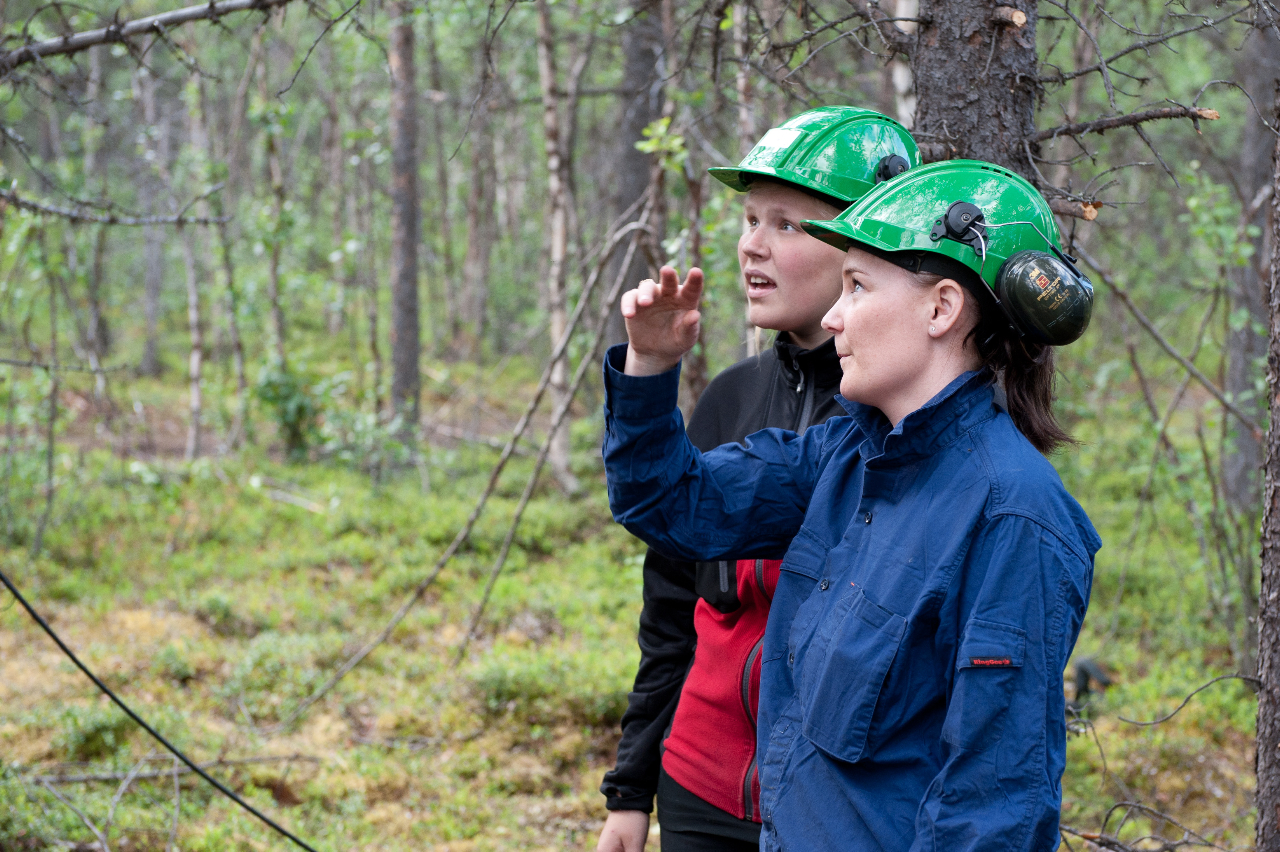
540	686
277	670
92	732
293	404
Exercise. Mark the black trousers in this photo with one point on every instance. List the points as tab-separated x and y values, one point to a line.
697	841
689	824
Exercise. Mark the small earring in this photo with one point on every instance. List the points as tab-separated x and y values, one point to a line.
931	328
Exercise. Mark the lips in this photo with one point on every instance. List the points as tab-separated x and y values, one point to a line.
758	285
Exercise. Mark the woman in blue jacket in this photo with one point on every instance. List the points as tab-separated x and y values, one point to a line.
936	572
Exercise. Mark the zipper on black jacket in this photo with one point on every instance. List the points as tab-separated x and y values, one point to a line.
805	388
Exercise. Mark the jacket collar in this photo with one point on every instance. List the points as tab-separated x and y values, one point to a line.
957	408
822	360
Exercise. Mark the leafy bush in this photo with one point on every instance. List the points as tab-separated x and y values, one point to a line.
543	685
278	670
294	406
92	732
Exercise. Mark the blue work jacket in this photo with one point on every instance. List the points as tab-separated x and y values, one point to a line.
934	581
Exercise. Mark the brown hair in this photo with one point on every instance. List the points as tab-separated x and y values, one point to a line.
1025	368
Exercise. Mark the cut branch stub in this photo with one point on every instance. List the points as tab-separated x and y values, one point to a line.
1009	16
1086	210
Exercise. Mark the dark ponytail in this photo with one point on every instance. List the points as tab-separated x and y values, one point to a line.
1024	368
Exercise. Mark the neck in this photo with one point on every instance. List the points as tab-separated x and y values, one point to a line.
809	339
930	382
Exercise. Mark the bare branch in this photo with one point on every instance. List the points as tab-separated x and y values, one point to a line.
1185	701
60	368
83	216
1102	125
1168	347
117	32
1208	23
164	773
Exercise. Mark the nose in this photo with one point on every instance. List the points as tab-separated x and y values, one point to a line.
831	319
753	243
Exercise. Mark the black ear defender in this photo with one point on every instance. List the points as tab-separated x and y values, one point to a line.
1044	295
1048	299
890	167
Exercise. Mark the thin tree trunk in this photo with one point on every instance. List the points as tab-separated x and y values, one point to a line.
371	286
480	219
195	363
641	46
153	237
275	173
153	280
976	83
1268	732
746	139
558	226
442	217
406	341
231	299
96	332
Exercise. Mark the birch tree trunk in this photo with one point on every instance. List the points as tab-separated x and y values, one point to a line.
1268	736
558	246
406	381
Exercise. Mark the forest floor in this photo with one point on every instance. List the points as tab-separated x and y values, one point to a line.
216	595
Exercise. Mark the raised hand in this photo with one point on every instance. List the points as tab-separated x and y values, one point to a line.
662	321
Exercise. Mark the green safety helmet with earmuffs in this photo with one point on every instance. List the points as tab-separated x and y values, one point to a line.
840	152
982	225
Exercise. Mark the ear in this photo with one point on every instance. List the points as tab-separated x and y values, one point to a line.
946	305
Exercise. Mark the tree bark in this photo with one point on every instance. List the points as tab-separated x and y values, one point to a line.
1258	66
558	245
642	103
481	233
195	362
453	319
1268	733
153	237
231	298
406	381
275	174
976	83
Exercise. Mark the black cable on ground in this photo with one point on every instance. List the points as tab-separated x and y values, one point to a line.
150	730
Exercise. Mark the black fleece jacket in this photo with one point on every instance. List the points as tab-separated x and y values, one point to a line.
785	387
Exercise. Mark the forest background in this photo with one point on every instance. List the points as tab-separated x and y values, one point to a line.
293	299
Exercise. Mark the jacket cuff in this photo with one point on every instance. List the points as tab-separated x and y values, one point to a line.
638	802
637	397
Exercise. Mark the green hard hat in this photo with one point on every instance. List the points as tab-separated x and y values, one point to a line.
984	218
837	151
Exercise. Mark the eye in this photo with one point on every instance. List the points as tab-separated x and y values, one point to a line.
787	226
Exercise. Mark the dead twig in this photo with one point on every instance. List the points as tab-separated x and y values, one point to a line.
122	30
1102	125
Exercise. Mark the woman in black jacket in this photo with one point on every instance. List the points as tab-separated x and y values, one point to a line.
689	731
